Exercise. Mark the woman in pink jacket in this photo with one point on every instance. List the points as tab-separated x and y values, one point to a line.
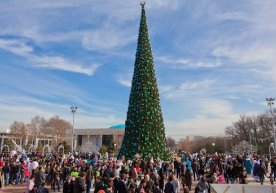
220	178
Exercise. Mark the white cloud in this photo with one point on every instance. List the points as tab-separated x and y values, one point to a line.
53	37
45	22
20	47
107	38
215	107
237	15
239	39
257	57
163	89
192	88
196	85
24	113
59	63
212	117
20	112
179	63
124	82
41	85
248	54
17	108
168	4
253	43
200	125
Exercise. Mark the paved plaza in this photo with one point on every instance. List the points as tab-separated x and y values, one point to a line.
21	188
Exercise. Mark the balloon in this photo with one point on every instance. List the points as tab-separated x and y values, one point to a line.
33	165
12	153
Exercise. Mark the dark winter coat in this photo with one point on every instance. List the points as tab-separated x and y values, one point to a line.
79	185
169	188
261	171
39	178
121	187
99	186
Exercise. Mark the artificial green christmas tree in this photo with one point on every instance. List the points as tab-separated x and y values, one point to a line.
144	127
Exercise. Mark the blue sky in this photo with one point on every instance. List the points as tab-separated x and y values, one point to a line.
214	60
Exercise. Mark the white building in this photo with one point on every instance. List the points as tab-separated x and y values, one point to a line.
98	137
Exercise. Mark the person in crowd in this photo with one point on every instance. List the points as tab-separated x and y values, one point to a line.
188	178
39	177
248	165
256	164
24	168
149	182
99	185
202	186
273	167
75	172
156	188
81	183
109	188
161	179
186	189
243	178
169	187
6	169
30	185
17	170
176	184
261	172
177	168
129	176
68	185
271	178
141	187
43	189
89	177
195	168
210	178
56	178
230	173
121	186
1	178
220	177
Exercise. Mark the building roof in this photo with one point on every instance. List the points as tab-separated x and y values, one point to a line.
120	126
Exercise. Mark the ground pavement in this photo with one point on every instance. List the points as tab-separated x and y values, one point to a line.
21	188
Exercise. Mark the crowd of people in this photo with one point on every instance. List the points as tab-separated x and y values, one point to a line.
79	173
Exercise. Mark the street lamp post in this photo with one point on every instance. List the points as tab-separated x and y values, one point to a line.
271	146
213	144
270	102
73	110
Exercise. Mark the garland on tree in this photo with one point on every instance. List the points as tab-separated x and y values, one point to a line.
144	127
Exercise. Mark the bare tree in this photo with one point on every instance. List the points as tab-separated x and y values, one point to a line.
18	128
57	127
37	125
257	130
199	143
171	142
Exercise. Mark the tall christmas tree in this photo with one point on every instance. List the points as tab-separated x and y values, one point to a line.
144	127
